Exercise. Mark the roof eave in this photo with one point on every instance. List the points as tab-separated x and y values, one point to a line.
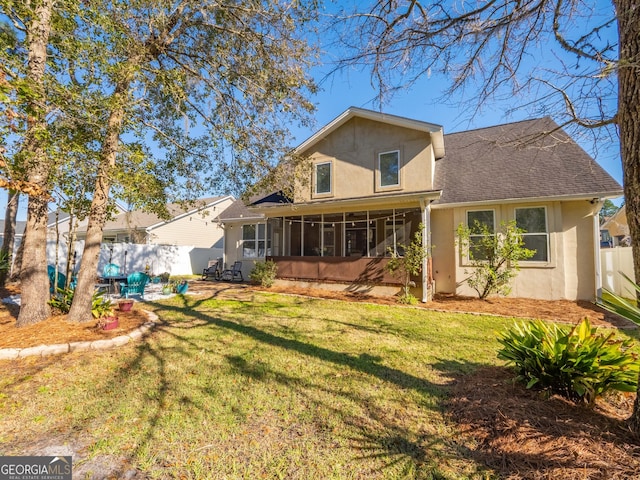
360	202
554	198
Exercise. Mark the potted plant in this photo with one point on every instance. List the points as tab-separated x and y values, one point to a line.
102	310
125	305
180	287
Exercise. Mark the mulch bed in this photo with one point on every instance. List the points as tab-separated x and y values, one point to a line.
523	435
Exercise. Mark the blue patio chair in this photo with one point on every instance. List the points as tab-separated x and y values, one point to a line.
62	279
136	282
110	270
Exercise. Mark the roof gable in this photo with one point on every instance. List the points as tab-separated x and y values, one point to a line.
436	131
139	220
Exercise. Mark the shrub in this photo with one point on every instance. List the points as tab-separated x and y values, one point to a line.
408	264
101	307
493	256
5	261
62	300
619	305
264	273
579	365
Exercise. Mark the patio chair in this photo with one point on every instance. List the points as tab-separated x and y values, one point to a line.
62	279
213	270
230	274
136	282
110	270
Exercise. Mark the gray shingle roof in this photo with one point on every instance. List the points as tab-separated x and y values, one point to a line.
238	209
519	160
20	227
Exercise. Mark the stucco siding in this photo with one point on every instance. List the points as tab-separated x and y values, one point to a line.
569	271
444	251
353	152
233	248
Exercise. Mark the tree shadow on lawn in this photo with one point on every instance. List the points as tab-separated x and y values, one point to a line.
394	441
521	433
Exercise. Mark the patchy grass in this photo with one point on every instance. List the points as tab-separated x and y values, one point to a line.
270	387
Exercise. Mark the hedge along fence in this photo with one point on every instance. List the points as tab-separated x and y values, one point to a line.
175	259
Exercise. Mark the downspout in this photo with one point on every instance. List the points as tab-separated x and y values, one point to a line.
425	211
596	240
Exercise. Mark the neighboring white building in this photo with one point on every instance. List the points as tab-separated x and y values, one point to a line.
196	225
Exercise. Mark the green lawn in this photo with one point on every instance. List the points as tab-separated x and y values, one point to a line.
275	387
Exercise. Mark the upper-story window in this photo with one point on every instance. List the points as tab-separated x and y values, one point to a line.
323	178
536	237
389	168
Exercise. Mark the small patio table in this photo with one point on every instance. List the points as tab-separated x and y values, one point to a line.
112	281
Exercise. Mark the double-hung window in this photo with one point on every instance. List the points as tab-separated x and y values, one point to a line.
481	224
389	169
323	178
253	240
536	234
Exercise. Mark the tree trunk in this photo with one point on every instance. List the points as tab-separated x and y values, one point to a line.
34	279
629	124
9	239
17	264
81	307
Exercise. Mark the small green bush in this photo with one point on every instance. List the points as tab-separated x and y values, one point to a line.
264	273
101	307
579	365
61	301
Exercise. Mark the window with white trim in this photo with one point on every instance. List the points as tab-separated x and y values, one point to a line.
389	168
323	178
480	224
253	240
536	234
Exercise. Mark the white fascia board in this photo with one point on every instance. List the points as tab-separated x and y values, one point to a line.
555	198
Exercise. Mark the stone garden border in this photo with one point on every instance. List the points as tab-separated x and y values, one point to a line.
57	349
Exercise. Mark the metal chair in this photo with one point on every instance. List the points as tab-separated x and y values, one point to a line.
136	282
214	270
232	273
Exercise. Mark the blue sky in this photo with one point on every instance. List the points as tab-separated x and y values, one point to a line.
353	88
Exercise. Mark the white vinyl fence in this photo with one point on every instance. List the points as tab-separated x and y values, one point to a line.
177	260
613	261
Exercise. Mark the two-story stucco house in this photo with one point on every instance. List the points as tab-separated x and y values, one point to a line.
376	178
